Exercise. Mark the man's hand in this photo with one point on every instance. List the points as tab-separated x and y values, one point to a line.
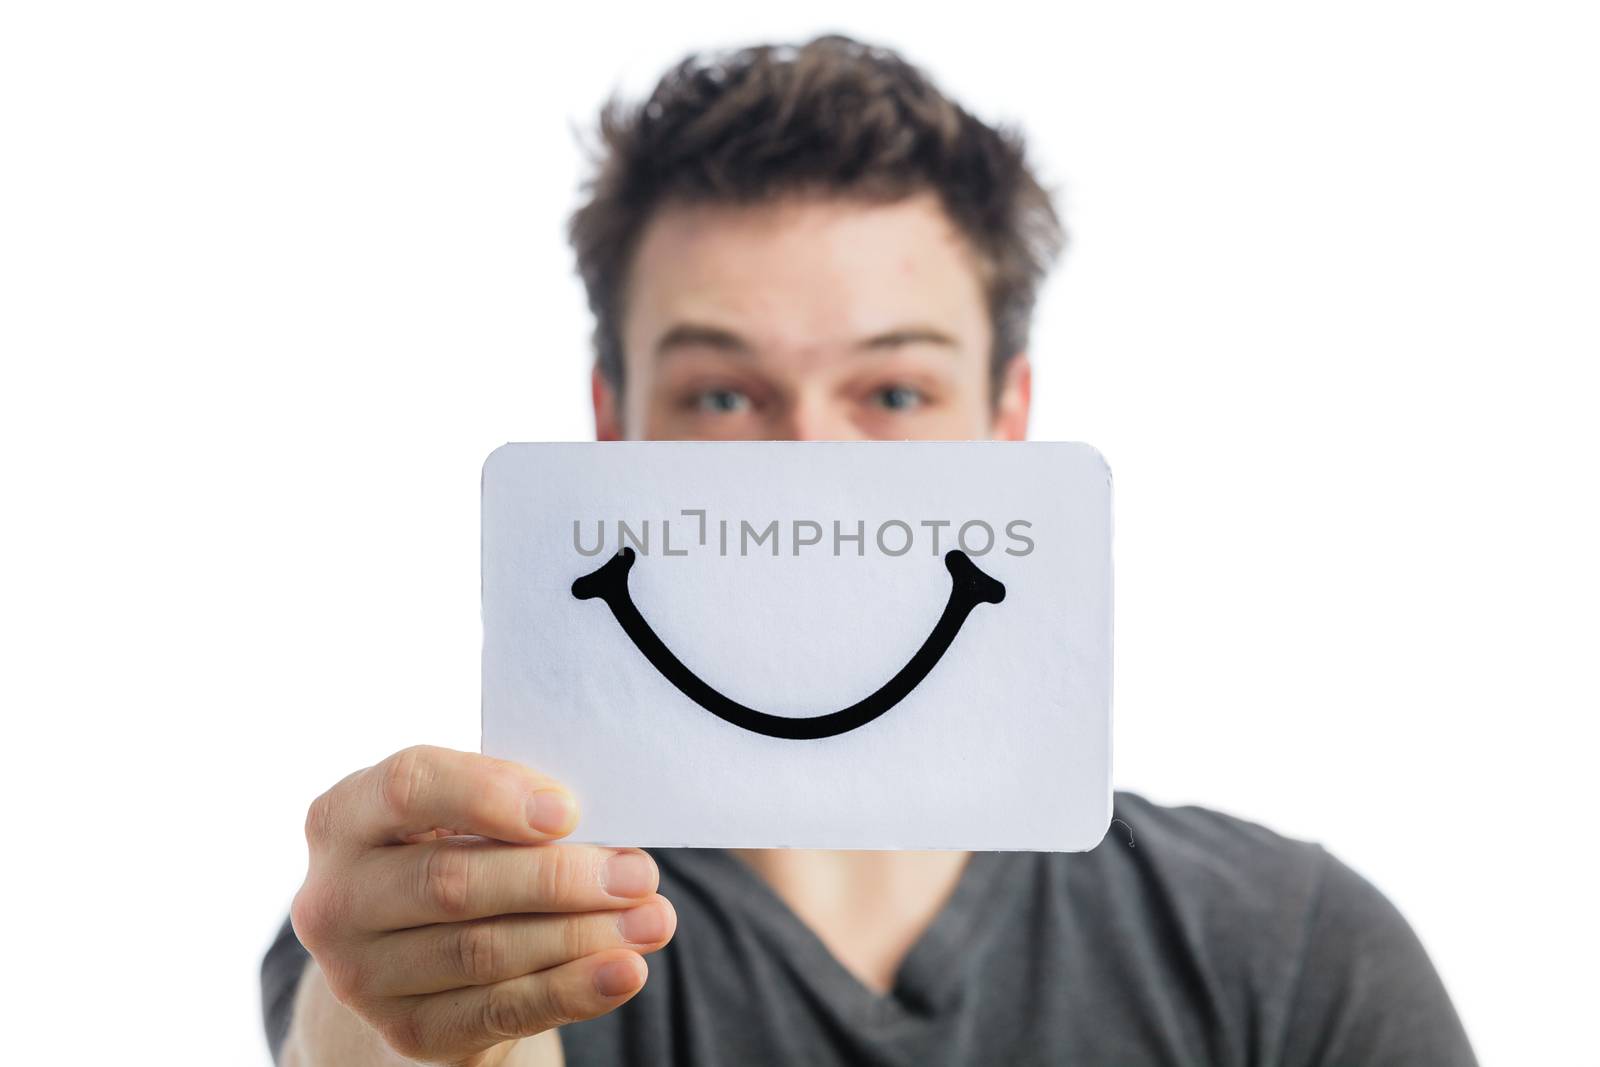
439	913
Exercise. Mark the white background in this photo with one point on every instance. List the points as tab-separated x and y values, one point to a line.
274	279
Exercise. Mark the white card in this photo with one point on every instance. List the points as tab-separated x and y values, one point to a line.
805	644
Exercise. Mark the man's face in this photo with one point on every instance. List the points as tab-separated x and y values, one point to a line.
809	319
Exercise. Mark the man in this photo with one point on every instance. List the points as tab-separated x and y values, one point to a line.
815	243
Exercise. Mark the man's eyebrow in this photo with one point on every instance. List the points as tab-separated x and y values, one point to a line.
699	335
906	335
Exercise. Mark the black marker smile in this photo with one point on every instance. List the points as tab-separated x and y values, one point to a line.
969	587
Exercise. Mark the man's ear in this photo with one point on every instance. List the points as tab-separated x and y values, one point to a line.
607	408
1016	397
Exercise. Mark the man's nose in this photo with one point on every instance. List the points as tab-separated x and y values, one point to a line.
818	416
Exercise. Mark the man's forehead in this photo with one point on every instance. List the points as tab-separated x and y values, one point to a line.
816	271
800	234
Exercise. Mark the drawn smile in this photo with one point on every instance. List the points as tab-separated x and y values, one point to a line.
969	587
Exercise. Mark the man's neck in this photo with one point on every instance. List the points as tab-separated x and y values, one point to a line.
868	908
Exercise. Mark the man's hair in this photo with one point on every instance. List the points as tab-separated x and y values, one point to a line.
833	117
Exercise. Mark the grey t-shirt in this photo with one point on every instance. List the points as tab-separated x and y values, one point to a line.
1209	940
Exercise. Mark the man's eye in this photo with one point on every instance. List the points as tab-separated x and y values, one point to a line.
898	398
721	401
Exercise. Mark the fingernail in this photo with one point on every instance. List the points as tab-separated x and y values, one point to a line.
617	978
550	811
629	874
643	926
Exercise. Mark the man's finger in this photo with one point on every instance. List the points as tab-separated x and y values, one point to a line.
420	789
432	959
458	879
480	1017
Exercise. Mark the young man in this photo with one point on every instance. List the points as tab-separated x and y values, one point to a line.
815	243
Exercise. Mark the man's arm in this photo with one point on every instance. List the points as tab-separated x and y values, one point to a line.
1367	993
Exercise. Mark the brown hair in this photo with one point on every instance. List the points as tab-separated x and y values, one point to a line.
833	116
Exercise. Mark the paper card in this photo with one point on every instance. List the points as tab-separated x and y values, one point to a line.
805	644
